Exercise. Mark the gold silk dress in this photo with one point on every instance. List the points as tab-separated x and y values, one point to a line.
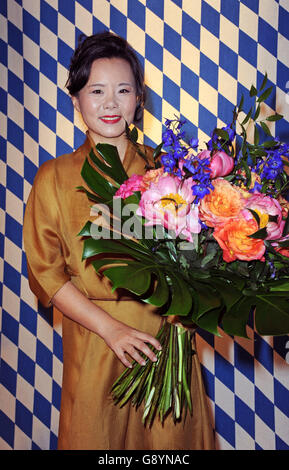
55	213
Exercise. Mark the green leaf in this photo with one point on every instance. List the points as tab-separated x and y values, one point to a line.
227	291
90	195
272	315
286	227
114	173
235	320
85	231
257	112
273	218
92	247
265	128
157	150
97	182
222	133
181	301
134	277
206	299
274	117
264	82
102	262
259	152
234	278
248	116
256	136
269	144
134	134
160	295
240	107
212	252
253	91
260	234
247	171
110	154
209	321
126	242
280	286
265	95
256	216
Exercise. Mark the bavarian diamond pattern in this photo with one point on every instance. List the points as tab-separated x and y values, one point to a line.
198	58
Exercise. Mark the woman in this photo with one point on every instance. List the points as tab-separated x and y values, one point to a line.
102	331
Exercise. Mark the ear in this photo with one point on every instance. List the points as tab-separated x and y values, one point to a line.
75	103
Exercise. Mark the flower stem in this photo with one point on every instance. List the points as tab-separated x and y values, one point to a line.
163	386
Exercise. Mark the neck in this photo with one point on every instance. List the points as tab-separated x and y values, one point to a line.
119	142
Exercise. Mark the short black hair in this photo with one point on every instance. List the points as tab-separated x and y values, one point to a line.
100	46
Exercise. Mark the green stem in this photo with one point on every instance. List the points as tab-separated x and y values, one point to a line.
185	383
164	385
167	385
140	391
130	392
158	379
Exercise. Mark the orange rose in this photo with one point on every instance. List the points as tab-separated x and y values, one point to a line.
151	176
221	204
283	251
235	243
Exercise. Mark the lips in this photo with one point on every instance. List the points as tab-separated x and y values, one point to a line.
110	119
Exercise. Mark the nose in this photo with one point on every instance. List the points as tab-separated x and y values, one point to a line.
110	102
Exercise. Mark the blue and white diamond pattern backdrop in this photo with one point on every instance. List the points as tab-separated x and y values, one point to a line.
198	56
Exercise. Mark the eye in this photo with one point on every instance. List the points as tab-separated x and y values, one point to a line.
124	90
97	92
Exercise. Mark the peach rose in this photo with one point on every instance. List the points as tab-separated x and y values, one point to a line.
235	243
221	204
284	206
151	176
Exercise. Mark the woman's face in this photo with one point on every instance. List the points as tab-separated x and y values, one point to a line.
108	99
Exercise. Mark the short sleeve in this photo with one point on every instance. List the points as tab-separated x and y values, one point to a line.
42	240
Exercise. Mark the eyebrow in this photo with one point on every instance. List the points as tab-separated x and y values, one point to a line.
120	84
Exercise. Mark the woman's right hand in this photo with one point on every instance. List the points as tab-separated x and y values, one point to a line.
122	339
119	337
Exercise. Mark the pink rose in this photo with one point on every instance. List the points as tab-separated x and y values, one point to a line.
221	164
132	184
269	212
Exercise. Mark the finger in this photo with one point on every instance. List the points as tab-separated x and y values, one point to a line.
150	339
147	351
124	360
136	356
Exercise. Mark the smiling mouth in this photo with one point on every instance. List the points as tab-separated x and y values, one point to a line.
110	119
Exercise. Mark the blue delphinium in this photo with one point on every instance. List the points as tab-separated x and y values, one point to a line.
172	142
169	162
217	143
177	151
272	166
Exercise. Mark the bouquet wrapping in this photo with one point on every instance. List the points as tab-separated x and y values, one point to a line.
203	236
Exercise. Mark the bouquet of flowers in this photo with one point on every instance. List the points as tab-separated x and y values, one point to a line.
209	245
